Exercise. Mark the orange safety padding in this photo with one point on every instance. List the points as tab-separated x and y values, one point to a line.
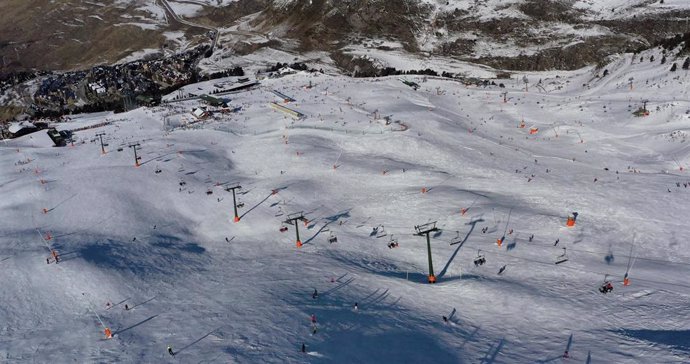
299	244
432	278
570	222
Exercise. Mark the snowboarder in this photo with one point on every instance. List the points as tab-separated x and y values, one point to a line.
57	259
227	240
170	351
531	237
48	260
126	307
556	243
313	319
304	348
154	227
503	268
315	295
445	319
356	306
566	355
134	239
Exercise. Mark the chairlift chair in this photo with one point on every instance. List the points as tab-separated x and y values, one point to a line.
606	287
563	257
456	239
380	232
332	238
479	260
240	205
393	243
283	228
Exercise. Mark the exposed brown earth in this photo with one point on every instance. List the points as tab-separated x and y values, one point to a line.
68	34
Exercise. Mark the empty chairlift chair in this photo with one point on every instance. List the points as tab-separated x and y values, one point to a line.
562	258
607	286
332	238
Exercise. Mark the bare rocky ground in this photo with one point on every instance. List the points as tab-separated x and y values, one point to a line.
73	34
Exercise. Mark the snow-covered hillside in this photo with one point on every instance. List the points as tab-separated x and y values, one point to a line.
370	153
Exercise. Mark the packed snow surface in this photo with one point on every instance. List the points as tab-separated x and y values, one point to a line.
160	238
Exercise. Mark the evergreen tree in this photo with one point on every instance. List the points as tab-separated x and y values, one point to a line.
673	68
663	59
651	59
686	64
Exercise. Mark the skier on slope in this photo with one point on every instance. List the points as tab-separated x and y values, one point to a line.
313	318
170	351
315	295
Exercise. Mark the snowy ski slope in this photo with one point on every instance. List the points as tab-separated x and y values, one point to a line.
225	292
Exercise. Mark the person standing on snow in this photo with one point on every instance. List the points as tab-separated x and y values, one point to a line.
170	351
315	294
